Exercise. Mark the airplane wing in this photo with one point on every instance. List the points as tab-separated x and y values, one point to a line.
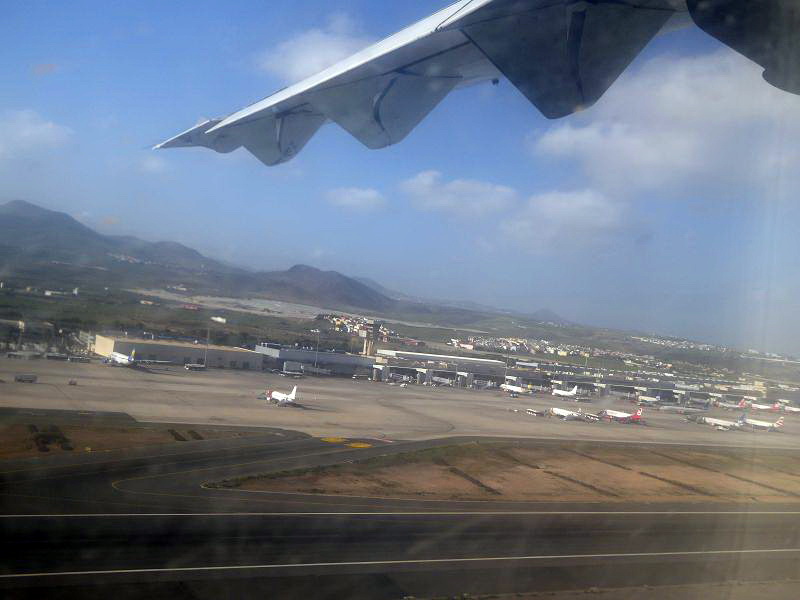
561	54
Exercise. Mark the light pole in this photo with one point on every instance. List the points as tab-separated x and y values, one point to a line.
316	353
505	375
222	320
208	339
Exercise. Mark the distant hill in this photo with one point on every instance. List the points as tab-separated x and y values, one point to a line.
329	288
41	234
42	244
543	315
51	248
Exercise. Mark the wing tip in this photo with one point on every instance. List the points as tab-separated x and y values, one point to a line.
186	138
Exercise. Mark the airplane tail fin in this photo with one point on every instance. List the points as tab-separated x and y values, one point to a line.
779	423
742	403
293	394
639	411
133	354
574	390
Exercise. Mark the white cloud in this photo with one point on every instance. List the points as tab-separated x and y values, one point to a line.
681	123
356	199
152	164
568	219
465	197
25	132
313	50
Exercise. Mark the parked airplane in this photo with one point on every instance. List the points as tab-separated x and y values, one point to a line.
720	424
566	393
681	410
647	400
570	415
562	55
730	405
515	389
744	421
118	359
773	407
280	398
621	417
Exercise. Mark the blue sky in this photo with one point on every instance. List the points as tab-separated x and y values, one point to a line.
669	206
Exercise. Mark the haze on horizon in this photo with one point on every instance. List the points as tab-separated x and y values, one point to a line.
670	206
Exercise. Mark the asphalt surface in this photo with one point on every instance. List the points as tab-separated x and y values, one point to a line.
142	522
343	407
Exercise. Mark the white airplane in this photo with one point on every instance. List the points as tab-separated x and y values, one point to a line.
562	55
515	389
720	424
280	398
744	403
566	393
535	413
621	417
570	415
647	400
773	407
730	405
744	421
681	410
119	359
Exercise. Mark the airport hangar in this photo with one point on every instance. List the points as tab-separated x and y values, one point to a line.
265	356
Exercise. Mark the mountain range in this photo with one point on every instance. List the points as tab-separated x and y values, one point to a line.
38	244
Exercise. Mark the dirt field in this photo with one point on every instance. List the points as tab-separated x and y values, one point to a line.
20	440
551	473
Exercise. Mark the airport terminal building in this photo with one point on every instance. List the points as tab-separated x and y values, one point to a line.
179	353
311	361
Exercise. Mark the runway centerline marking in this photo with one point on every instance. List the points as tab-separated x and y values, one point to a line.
423	561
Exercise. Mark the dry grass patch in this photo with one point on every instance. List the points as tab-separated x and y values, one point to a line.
26	440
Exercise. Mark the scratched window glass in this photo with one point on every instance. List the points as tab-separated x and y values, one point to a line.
391	300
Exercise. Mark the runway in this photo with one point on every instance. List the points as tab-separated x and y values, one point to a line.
141	522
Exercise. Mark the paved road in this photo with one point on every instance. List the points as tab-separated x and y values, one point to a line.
139	522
